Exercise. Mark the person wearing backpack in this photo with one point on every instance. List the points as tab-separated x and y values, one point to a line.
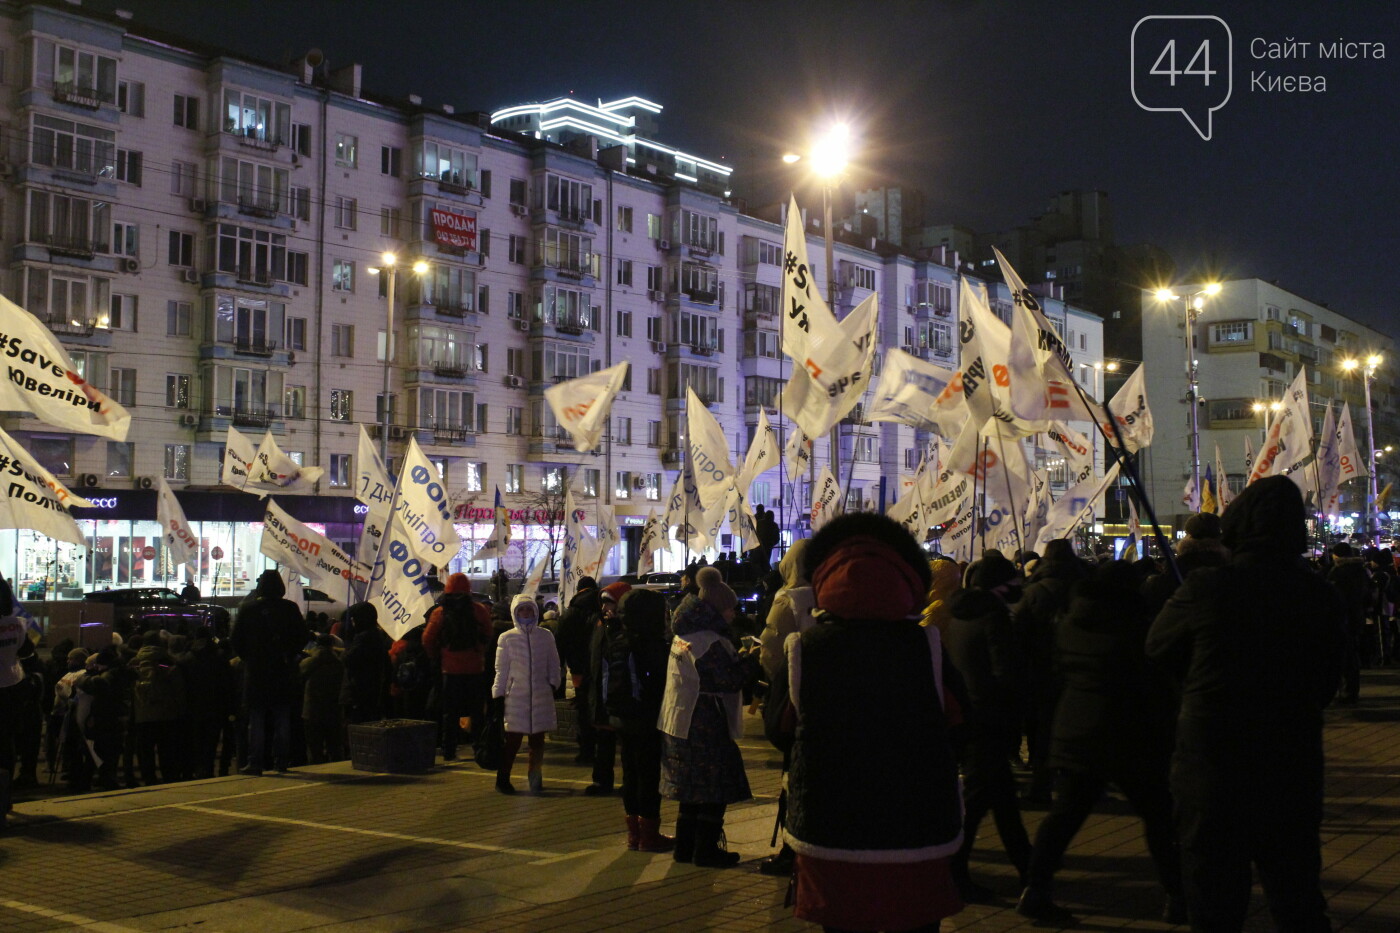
322	674
634	669
456	639
413	691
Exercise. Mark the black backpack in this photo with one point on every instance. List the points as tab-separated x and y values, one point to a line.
621	686
459	628
414	669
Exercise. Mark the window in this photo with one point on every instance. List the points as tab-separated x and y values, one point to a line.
515	420
699	231
187	111
483	299
121	312
300	202
183	180
652	483
177	462
653	433
345	211
77	147
517	192
590	482
623	434
301	138
125	239
552	479
181	249
864	448
1232	332
121	386
479	358
654	226
450	409
515	477
298	268
177	318
340	471
390	222
476	476
624	272
653	382
119	458
177	390
560	249
346	150
251	255
565	307
699	282
447	165
515	305
573	200
516	249
131	98
343	275
54	454
761	343
624	219
655	280
342	340
62	299
759	391
294	402
342	404
699	331
390	161
624	326
622	489
129	167
767	254
515	361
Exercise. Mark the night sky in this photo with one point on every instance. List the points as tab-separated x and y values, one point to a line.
989	107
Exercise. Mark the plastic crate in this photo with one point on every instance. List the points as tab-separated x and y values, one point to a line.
395	746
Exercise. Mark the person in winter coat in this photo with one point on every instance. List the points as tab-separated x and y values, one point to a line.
1033	624
208	690
982	646
595	691
576	624
367	667
14	646
701	718
635	656
1352	582
791	610
159	703
457	639
1112	723
947	580
874	832
268	635
1200	548
99	696
322	674
1257	645
527	673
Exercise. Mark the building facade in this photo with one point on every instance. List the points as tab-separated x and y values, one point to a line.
205	234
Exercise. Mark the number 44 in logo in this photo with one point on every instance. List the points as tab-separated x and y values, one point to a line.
1199	65
1183	64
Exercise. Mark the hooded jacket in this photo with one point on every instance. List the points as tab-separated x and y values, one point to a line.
791	610
527	671
268	635
457	598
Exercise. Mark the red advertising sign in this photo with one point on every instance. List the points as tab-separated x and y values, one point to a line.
453	230
148	552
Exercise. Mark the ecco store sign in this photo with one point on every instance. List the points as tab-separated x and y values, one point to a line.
103	502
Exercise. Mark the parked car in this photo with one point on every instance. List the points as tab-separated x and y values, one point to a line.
142	605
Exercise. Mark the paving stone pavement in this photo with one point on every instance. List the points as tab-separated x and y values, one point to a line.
329	849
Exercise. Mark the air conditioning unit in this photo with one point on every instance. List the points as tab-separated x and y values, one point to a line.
199	205
518	210
131	265
522	325
145	482
658	346
663	244
189	276
639	482
397	432
88	480
189	421
657	294
514	382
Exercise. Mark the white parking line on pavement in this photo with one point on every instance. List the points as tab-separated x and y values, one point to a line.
77	921
539	856
300	785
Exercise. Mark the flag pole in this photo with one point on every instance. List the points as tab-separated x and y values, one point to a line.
982	519
1015	517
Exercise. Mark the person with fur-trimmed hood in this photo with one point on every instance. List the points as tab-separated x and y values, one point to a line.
874	832
527	673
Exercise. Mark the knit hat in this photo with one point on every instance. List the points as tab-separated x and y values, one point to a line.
992	570
78	656
271	585
614	592
587	583
458	583
1203	525
865	566
714	590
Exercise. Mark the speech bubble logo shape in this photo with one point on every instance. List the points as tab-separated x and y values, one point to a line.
1183	63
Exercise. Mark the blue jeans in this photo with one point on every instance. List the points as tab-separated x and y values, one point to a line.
281	736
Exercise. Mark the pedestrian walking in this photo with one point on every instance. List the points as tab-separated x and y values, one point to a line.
527	673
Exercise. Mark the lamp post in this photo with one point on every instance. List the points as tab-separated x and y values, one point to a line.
1194	303
1368	369
1267	411
390	269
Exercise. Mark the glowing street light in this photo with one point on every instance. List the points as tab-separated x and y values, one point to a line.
1368	369
389	268
1194	303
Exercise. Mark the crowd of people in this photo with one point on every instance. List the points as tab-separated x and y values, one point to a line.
1194	686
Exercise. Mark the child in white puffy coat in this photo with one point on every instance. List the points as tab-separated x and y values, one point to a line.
527	674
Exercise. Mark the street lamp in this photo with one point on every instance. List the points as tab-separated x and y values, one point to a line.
1194	303
1368	369
389	268
1267	411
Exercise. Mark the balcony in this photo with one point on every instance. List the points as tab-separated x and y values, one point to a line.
450	434
569	327
253	275
445	306
700	295
255	347
255	138
73	246
71	92
266	208
700	349
251	417
450	370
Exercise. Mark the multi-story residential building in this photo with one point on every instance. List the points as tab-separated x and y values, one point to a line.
205	234
1250	341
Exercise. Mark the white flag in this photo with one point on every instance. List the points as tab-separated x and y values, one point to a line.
33	498
422	506
1289	442
707	450
274	471
826	499
575	551
1353	464
608	538
495	546
763	452
742	522
798	454
400	587
531	587
1040	368
1073	507
684	510
1222	482
1249	455
179	539
1129	409
804	311
983	380
581	405
39	378
239	454
1078	452
653	539
829	382
374	489
1327	465
300	547
1191	495
910	391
